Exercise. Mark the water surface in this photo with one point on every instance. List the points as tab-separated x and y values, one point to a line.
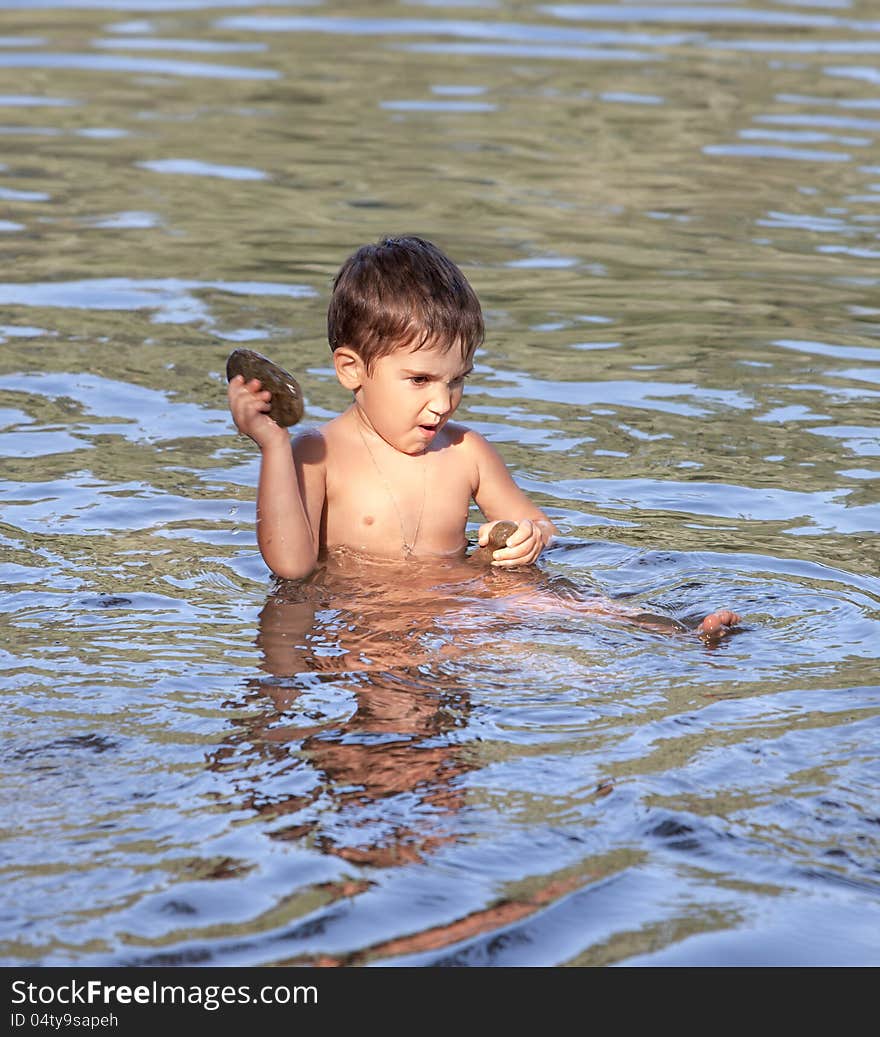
671	215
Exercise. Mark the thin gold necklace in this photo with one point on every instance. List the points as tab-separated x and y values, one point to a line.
408	548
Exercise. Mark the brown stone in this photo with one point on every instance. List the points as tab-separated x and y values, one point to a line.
286	405
498	535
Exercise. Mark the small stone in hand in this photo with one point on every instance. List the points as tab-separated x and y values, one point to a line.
498	536
286	405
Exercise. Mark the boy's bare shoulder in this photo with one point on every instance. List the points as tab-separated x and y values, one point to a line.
310	446
461	435
314	445
475	444
474	453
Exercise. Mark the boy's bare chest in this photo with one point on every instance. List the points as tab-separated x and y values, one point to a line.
408	505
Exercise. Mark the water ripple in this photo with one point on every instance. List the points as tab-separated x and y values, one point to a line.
442	764
150	66
173	300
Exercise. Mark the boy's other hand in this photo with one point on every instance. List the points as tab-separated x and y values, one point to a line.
523	546
249	404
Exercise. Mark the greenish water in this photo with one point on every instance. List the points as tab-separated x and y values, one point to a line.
671	216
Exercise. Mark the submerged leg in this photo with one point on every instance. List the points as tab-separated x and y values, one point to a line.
712	628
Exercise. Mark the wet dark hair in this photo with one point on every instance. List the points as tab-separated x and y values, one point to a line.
402	292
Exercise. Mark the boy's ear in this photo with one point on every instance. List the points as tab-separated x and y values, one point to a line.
349	368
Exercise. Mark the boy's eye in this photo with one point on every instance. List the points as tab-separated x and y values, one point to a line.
424	379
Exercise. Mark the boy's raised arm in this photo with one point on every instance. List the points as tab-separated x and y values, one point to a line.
291	489
499	498
290	499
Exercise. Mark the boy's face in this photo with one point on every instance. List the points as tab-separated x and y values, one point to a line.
410	394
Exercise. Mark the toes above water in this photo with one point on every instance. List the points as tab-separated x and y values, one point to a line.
717	624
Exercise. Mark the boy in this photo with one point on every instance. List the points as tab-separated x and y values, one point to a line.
391	476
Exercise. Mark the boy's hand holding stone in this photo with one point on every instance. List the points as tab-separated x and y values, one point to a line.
263	397
249	404
523	545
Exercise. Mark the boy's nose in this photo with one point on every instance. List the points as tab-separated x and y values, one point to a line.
441	402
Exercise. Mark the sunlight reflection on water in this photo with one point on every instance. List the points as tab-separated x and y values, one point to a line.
669	213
